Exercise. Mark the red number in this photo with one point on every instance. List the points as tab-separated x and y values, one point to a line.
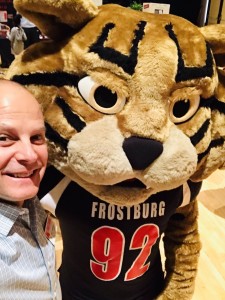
107	249
144	238
107	246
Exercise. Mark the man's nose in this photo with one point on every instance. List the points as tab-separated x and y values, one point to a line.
26	152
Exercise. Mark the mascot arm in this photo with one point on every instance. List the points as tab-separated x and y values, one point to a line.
182	247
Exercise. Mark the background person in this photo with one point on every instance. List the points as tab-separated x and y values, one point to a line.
32	32
17	36
5	53
27	257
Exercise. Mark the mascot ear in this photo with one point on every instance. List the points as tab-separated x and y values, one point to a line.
215	36
57	18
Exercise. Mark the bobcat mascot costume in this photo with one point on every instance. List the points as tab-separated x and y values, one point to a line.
134	108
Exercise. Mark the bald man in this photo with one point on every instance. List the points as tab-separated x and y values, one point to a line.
27	257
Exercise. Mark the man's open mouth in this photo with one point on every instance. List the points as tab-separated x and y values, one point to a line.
21	175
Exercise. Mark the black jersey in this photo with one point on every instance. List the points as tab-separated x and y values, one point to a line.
111	252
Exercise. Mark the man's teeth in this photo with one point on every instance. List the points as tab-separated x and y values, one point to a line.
23	175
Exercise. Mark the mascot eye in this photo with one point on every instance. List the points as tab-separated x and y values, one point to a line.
181	110
99	97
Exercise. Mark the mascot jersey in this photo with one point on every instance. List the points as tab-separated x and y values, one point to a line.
110	252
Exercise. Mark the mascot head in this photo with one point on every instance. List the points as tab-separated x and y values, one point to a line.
133	102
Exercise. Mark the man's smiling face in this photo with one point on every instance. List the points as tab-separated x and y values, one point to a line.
23	150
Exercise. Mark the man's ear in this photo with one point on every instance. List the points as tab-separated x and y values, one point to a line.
57	18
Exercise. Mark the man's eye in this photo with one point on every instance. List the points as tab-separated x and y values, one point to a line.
38	139
4	138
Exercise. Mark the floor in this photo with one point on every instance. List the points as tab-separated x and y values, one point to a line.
210	283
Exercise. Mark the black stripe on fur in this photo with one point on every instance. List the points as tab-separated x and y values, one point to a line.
213	104
199	135
54	136
215	143
187	73
57	79
126	62
72	118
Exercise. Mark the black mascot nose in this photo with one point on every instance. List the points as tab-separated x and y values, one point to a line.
141	152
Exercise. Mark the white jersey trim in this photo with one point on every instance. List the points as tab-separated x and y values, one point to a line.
50	200
186	195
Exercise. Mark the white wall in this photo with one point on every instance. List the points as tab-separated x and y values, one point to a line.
97	2
214	10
